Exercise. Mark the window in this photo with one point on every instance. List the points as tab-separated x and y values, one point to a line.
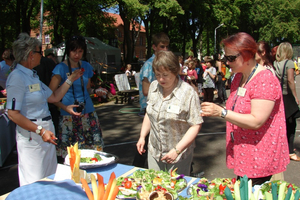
47	39
141	41
119	33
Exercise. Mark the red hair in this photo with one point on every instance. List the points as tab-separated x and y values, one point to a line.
243	43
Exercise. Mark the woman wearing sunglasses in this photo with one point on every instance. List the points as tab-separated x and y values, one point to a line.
256	142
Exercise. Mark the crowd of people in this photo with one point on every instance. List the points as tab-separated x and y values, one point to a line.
174	96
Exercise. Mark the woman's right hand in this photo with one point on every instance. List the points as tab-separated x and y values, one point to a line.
71	111
76	75
140	146
48	136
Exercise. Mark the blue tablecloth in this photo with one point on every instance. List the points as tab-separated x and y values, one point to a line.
67	189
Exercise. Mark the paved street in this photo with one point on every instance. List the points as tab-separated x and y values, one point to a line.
121	126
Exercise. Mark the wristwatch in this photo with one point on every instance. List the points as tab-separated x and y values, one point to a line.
224	113
38	130
177	151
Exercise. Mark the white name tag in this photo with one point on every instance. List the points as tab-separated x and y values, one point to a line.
34	87
173	109
241	91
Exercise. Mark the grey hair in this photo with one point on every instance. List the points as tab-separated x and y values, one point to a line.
23	46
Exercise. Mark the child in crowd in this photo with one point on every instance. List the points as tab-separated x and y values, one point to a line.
192	75
129	71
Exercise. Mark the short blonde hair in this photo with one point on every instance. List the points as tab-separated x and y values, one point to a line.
128	65
284	51
166	60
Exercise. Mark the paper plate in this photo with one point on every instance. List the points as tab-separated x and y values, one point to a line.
107	159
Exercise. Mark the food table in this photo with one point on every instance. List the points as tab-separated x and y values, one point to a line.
67	189
7	137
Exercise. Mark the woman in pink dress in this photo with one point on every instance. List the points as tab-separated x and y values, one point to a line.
256	142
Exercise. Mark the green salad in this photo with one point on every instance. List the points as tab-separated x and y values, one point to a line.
150	180
94	159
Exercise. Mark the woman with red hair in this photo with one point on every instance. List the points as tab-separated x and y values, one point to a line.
256	142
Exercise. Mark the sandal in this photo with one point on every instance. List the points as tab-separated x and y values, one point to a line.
294	157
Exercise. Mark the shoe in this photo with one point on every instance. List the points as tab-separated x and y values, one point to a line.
294	157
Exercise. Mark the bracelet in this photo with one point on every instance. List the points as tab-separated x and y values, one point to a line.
69	82
43	133
177	151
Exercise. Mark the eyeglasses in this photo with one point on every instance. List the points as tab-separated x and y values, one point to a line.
40	52
231	58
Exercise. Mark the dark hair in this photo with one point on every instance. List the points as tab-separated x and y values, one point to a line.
74	43
243	43
50	54
273	52
263	47
8	55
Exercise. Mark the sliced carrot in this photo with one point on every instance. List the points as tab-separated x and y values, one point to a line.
87	189
72	158
111	179
101	189
114	193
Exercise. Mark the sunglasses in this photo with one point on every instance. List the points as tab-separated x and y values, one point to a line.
40	52
231	58
75	37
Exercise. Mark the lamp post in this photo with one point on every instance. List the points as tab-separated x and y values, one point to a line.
216	36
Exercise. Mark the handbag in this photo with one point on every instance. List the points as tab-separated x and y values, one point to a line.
291	107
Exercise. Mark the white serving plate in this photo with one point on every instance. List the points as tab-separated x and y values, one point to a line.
107	159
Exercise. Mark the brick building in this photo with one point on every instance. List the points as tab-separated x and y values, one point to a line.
140	46
117	41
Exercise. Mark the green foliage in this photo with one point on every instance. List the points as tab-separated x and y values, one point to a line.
189	23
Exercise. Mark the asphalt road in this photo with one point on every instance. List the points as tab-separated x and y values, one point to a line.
121	126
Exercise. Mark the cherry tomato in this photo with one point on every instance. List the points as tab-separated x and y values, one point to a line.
164	190
128	184
233	180
82	69
94	159
222	187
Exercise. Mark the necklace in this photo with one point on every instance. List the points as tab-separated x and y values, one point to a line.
243	88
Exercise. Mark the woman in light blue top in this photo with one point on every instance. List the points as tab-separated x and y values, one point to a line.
27	99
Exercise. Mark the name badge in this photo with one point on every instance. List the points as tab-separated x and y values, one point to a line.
241	91
34	87
173	109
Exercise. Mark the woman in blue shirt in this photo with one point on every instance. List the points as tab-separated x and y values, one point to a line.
27	103
77	123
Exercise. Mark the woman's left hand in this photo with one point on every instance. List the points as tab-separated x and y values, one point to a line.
297	100
101	91
170	157
211	109
49	137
